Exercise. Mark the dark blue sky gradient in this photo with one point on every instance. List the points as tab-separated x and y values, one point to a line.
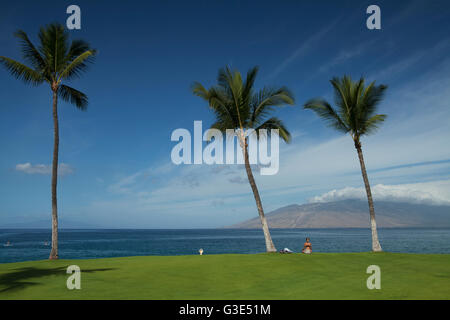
150	52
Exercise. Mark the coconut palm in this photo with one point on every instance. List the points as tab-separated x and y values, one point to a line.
236	106
355	113
54	60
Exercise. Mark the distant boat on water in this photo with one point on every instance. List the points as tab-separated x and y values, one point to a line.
8	244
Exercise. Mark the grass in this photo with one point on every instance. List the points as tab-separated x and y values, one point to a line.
233	276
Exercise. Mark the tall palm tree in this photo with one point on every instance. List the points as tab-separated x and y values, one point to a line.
355	113
237	106
54	60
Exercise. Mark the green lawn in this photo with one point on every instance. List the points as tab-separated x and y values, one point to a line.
233	276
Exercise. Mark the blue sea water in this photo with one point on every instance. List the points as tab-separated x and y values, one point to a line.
29	244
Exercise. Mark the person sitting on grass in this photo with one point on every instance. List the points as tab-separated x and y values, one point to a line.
307	248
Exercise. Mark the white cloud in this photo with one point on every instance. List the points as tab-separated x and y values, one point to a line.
433	193
29	168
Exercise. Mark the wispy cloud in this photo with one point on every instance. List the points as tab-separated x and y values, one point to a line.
238	180
308	167
406	154
131	183
406	63
345	55
304	48
411	9
29	168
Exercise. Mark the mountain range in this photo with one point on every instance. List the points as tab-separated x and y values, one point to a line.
353	214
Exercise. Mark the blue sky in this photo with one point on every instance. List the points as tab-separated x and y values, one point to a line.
117	170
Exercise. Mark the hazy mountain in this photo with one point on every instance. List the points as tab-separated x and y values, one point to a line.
353	214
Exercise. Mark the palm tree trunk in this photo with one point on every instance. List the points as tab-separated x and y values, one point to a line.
54	252
269	243
376	247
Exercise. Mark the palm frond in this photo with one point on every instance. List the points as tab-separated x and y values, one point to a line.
199	90
73	96
54	46
230	81
356	104
267	98
219	102
235	104
21	71
248	85
29	51
276	124
324	110
372	124
357	96
77	47
371	97
342	97
78	65
219	125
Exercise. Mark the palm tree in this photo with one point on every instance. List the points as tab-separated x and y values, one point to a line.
54	60
237	106
355	113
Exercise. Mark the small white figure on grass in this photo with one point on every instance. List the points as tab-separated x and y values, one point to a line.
200	251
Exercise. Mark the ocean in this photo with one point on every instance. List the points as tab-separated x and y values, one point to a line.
30	244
